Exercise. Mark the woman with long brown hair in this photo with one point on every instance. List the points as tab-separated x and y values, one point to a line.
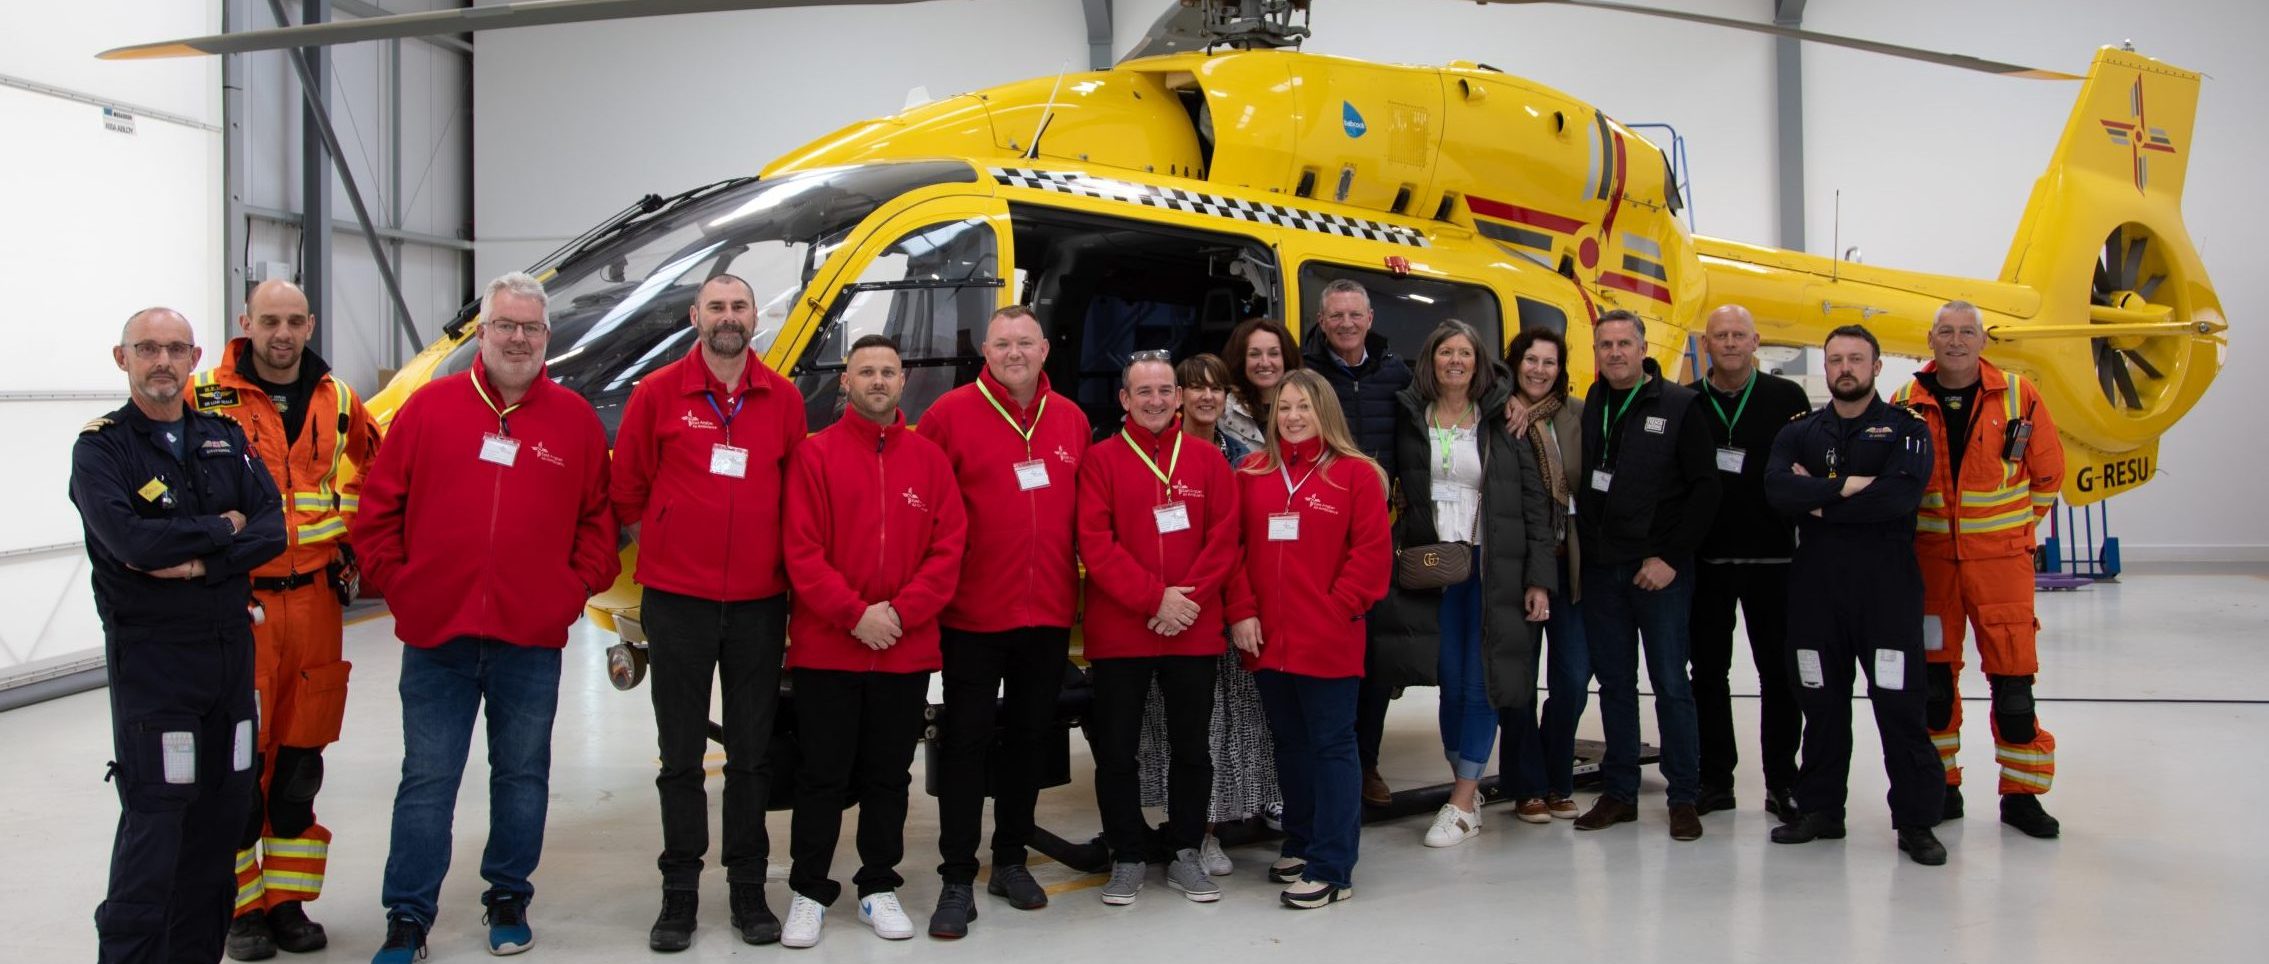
1317	557
1259	354
1537	762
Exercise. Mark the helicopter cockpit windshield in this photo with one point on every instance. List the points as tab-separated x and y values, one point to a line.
619	310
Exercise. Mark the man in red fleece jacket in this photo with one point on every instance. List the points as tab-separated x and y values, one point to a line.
1015	447
699	465
485	522
1158	532
873	544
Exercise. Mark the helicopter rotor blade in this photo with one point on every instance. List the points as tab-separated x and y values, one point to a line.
527	13
1942	58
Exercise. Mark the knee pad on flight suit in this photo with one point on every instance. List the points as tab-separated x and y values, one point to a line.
291	793
2013	708
1938	679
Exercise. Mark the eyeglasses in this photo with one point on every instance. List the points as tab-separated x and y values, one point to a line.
532	329
150	350
1151	355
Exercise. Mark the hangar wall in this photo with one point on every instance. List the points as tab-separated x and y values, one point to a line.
104	222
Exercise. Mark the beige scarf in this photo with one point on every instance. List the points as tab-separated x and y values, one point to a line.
1547	445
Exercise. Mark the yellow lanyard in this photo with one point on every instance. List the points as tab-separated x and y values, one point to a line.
1165	477
1038	413
501	427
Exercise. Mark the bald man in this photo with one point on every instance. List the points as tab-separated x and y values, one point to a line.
177	517
1745	563
313	435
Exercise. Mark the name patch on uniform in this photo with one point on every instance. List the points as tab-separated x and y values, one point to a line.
151	490
216	396
1656	424
1877	431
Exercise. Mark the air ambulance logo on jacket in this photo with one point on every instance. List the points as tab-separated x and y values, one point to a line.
1064	455
1184	490
693	420
1317	503
914	500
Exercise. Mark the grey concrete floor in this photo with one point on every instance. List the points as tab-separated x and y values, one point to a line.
2154	687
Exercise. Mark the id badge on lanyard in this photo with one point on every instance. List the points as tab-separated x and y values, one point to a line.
728	461
1031	474
1172	517
500	449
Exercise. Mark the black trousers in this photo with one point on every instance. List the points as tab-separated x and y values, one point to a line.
182	718
857	733
1114	730
1850	602
1000	699
1371	702
1761	590
691	641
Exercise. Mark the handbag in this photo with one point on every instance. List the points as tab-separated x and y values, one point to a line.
1436	565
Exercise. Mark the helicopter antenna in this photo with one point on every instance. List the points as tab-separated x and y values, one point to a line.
1033	151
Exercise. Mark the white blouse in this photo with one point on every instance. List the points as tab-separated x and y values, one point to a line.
1455	466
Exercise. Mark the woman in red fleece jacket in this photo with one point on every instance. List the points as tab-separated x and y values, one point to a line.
1317	557
873	544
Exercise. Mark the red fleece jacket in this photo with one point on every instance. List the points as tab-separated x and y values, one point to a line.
1130	563
462	546
1018	571
1312	593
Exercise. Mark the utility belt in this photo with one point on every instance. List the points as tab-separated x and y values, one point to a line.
343	575
283	583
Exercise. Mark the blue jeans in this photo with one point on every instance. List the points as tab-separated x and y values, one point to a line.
1618	616
441	689
1541	758
1468	722
1313	722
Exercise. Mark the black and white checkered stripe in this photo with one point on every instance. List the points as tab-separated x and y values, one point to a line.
1174	199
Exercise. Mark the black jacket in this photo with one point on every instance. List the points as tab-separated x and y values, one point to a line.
142	510
1366	394
1886	443
1746	529
1664	490
1516	553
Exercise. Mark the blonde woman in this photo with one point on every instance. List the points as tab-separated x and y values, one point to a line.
1317	557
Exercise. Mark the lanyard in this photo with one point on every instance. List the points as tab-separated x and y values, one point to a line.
1606	425
1165	477
1021	432
1290	488
1445	437
502	427
739	401
1737	409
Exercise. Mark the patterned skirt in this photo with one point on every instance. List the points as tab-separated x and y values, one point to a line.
1244	759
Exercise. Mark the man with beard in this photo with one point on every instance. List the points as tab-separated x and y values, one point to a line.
177	516
698	466
313	435
1852	476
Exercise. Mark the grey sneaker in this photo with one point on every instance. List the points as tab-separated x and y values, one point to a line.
1213	859
1126	882
1185	874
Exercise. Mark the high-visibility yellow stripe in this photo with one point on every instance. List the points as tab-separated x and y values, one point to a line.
286	880
2014	756
353	503
1929	524
311	501
330	528
1947	741
294	847
2043	498
1947	760
1992	497
2015	518
244	860
2040	780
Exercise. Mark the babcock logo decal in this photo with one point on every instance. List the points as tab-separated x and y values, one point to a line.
1350	119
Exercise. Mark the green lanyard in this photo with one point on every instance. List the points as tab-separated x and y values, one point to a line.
1025	433
1607	425
1445	437
1737	409
1166	476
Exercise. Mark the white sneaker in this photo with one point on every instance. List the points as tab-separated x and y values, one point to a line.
881	912
804	917
1453	826
1213	859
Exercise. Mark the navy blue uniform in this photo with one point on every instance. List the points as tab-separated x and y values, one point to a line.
1855	596
179	656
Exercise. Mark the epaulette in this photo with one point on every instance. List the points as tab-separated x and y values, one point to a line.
96	425
1911	413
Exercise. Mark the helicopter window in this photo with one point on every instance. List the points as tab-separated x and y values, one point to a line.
932	290
1405	309
1537	314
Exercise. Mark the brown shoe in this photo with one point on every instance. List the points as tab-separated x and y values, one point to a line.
1562	808
1607	813
1375	790
1532	810
1685	822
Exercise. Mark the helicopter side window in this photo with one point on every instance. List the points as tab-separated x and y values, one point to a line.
1538	314
1405	309
932	290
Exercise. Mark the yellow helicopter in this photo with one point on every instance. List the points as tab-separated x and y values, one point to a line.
1215	174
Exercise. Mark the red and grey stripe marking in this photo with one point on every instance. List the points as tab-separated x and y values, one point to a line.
1519	225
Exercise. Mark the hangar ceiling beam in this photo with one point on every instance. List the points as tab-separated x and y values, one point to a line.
316	160
1788	96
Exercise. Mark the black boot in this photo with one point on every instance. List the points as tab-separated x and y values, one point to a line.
1952	808
1714	799
957	906
1782	804
2023	811
673	929
1810	827
1922	845
294	932
752	916
249	938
